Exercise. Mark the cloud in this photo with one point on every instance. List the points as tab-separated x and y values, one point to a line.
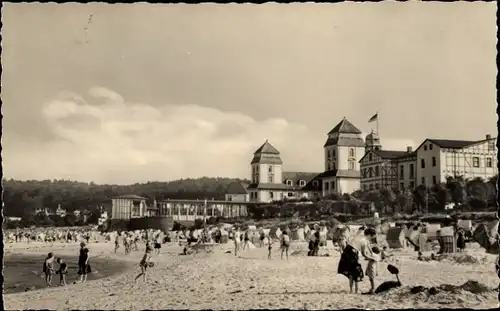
106	139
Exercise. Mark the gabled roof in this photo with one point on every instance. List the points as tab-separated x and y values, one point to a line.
237	188
267	148
452	144
345	127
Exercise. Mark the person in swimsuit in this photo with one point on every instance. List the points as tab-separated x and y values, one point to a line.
158	244
237	241
246	239
145	263
269	248
83	263
62	271
117	243
48	268
285	243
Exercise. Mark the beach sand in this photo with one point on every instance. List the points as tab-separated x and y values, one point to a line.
218	280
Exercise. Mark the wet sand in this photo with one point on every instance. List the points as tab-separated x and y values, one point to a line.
219	280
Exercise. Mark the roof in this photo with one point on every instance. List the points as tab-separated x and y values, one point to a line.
452	144
266	158
346	127
236	188
345	141
389	154
130	197
267	148
269	186
308	177
341	173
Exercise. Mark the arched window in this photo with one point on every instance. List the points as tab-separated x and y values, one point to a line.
302	183
351	152
289	182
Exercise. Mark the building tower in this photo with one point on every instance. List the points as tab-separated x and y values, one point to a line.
372	142
267	174
343	150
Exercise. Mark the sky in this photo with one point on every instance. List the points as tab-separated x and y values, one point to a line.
146	92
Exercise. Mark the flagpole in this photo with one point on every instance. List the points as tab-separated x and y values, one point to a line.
377	125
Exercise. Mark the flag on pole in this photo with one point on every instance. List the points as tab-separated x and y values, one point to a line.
374	118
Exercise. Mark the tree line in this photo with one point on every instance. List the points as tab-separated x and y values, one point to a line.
23	198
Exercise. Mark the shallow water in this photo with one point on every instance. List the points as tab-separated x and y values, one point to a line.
24	272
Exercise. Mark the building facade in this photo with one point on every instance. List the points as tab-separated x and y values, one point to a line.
343	149
128	207
237	192
438	159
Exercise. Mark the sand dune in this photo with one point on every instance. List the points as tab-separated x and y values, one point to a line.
222	281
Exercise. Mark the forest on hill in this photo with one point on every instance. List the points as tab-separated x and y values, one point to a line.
24	197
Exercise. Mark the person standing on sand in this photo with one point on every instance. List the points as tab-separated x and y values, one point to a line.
117	242
144	264
371	268
62	271
48	268
245	240
285	244
269	248
349	264
237	240
158	244
83	263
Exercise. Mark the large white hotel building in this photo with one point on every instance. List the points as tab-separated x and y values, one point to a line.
352	163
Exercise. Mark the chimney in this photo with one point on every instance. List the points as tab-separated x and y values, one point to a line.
409	149
488	136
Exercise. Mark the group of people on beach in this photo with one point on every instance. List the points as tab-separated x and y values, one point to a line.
83	266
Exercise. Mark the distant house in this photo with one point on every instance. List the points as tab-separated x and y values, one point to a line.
61	212
43	211
237	192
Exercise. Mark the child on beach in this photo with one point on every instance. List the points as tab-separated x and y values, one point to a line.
62	271
371	269
269	248
285	244
145	264
48	268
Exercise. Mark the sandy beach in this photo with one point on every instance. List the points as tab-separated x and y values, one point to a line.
218	280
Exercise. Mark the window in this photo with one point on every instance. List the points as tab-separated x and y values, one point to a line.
332	185
326	185
270	179
270	168
370	157
329	152
377	186
377	171
491	145
401	172
489	162
229	198
425	147
351	165
412	185
402	186
271	194
422	163
411	171
351	152
370	172
423	180
302	183
371	187
290	194
289	182
475	161
315	183
430	146
434	180
433	161
334	165
329	167
365	187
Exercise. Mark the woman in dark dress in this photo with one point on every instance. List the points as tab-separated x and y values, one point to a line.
460	240
83	263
